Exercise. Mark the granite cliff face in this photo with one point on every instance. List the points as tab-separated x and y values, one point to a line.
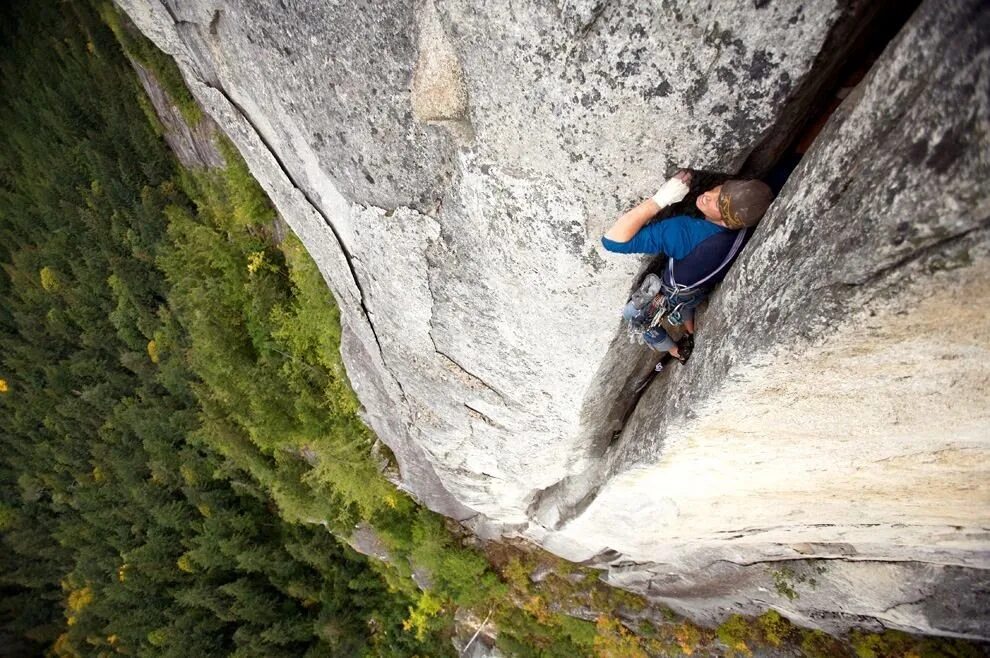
451	165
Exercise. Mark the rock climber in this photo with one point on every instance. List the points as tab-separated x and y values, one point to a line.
699	252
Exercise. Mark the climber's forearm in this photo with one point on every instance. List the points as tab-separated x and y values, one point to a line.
629	223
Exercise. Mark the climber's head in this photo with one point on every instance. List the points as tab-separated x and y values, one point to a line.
736	203
707	203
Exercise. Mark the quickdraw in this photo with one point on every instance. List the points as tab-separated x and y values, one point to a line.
662	307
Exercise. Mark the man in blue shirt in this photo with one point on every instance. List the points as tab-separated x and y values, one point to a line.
699	250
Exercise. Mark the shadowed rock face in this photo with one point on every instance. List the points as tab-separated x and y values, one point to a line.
194	146
450	167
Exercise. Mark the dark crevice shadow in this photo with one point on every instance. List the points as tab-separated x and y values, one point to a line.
847	55
627	371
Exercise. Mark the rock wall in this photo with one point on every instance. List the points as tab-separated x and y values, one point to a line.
837	405
451	165
194	146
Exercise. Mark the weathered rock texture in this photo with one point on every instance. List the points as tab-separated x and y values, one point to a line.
194	146
451	165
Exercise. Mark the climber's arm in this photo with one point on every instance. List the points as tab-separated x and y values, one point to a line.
630	222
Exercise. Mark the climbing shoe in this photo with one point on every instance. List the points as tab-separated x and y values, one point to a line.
684	348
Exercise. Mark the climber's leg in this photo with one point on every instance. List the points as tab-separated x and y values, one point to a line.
687	317
658	339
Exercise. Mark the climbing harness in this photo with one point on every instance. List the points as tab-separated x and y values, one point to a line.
671	299
678	288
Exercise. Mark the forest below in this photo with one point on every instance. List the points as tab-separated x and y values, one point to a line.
182	453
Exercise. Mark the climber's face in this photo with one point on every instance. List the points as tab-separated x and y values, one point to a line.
707	203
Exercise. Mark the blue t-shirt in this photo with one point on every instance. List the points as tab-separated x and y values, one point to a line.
676	237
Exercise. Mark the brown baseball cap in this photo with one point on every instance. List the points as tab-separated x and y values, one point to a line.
743	202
